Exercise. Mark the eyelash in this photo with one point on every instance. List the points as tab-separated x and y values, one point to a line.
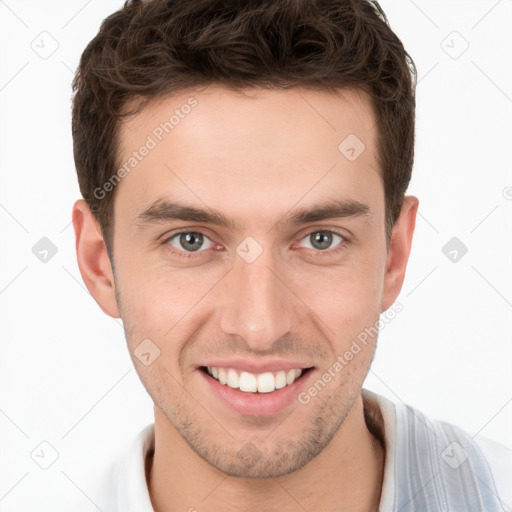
317	253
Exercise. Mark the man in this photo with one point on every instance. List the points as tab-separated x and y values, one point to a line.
244	167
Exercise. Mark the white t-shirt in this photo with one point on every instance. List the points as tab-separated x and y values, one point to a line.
430	466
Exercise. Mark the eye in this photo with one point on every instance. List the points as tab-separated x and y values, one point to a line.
323	240
189	241
186	243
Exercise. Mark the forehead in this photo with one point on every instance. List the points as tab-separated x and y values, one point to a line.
226	118
237	151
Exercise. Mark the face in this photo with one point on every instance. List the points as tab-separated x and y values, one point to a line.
249	246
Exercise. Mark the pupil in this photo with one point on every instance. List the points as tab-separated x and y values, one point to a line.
321	240
191	241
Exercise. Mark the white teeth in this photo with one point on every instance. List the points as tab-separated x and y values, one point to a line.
280	379
250	383
233	380
223	376
266	383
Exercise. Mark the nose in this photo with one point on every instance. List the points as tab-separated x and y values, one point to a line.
257	304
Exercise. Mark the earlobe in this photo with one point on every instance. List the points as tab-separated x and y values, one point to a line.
93	259
399	250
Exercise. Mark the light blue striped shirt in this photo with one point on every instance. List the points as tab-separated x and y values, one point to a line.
433	466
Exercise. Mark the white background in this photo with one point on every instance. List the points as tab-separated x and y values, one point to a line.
65	374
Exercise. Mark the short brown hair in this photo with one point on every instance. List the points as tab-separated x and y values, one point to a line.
152	48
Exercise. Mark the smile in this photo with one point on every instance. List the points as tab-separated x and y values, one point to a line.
254	383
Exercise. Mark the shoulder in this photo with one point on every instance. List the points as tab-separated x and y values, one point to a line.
474	474
499	459
120	486
489	463
105	490
432	465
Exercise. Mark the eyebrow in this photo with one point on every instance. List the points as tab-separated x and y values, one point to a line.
163	210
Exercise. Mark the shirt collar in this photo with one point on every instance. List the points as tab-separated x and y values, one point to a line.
132	489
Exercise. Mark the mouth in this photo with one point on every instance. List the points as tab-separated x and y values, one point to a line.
261	394
255	383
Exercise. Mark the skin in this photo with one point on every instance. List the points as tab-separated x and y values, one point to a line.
255	157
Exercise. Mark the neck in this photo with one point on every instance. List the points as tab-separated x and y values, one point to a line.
346	475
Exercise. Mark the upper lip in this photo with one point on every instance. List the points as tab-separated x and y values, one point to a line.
257	366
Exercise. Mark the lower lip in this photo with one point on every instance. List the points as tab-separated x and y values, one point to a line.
256	404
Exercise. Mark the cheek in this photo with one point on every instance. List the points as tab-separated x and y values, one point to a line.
159	302
154	305
346	300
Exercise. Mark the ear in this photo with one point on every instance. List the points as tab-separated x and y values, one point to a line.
93	259
398	252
